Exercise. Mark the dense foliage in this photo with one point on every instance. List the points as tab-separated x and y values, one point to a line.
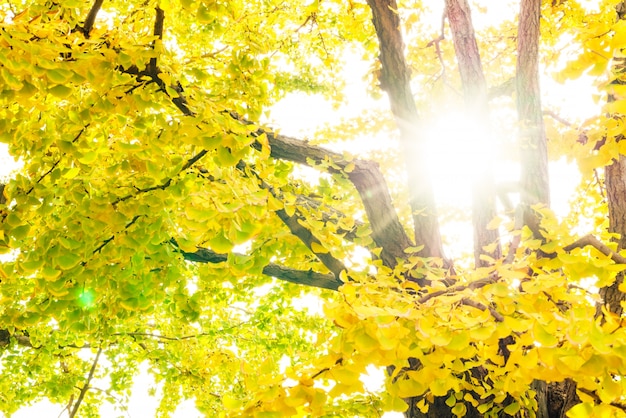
157	222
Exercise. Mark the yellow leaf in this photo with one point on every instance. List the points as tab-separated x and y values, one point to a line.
231	402
408	388
440	387
220	243
395	403
365	343
494	224
512	408
318	249
610	391
459	410
582	410
543	337
60	91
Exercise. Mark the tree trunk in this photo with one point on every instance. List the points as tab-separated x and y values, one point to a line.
395	78
615	184
477	108
535	187
534	180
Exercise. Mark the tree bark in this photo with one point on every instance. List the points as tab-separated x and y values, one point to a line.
387	230
615	184
534	180
395	78
535	187
477	108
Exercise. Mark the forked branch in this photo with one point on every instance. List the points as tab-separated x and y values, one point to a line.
387	230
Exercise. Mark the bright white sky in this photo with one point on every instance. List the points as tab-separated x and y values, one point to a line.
572	101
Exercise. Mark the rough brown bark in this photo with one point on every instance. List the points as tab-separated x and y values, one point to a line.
395	80
535	187
615	184
477	107
534	152
387	231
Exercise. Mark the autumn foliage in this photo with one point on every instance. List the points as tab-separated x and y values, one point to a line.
158	222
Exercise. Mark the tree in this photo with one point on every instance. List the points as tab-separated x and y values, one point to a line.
157	221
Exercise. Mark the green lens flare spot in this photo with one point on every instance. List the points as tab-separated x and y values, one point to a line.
87	298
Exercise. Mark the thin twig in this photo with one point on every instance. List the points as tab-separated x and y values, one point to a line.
85	387
454	289
165	184
128	225
54	165
164	337
496	315
557	118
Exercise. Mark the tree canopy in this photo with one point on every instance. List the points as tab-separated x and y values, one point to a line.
158	221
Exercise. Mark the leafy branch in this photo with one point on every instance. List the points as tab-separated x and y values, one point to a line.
387	231
597	400
108	240
56	163
294	223
166	183
598	245
303	277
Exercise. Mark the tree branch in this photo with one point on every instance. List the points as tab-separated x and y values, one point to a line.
387	231
395	79
597	400
91	17
85	387
303	277
166	183
474	285
598	245
112	237
295	225
496	315
158	32
54	165
477	107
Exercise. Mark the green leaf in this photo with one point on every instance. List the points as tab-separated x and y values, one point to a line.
512	409
60	91
67	261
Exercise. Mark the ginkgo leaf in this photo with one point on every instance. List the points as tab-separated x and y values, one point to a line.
61	91
68	261
318	248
